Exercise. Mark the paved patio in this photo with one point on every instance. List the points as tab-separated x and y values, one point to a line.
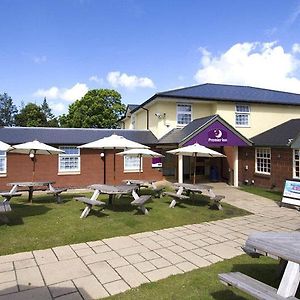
98	269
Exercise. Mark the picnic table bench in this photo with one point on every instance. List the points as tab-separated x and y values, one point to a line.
56	192
139	201
280	245
176	197
90	202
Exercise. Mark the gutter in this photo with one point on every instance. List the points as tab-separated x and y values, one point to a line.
147	120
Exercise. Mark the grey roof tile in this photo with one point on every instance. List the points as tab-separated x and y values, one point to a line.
279	136
70	136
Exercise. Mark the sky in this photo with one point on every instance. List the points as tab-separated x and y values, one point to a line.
60	49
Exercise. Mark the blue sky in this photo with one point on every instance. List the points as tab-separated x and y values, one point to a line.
60	49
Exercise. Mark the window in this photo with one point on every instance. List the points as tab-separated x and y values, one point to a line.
2	162
70	160
296	163
263	160
242	115
184	114
132	163
132	121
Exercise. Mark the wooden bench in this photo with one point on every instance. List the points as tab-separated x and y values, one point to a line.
89	204
157	190
139	201
251	286
215	200
56	192
8	195
177	197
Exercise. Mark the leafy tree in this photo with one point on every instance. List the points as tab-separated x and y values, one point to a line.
31	115
7	110
51	120
96	109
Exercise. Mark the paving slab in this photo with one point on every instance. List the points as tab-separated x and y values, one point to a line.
64	252
6	267
162	273
62	288
144	266
64	270
44	256
8	287
73	296
116	287
90	288
7	276
21	264
100	257
34	294
15	257
104	272
29	278
132	276
121	242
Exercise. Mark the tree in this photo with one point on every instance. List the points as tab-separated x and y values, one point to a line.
51	120
96	109
31	115
7	110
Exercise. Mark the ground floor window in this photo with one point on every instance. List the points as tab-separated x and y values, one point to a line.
263	160
296	163
2	162
70	160
132	163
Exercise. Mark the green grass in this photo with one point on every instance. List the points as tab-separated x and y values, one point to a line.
270	194
204	284
45	224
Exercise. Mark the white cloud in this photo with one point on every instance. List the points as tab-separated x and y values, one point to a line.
75	92
95	78
39	59
117	79
265	65
57	108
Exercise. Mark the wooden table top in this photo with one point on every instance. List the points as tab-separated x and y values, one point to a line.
285	245
31	183
194	187
113	189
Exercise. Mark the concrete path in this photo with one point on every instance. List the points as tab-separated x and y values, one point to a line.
98	269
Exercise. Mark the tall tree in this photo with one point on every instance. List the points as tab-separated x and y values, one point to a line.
51	120
31	115
96	109
7	110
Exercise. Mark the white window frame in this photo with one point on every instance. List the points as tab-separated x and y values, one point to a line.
3	156
133	167
183	112
265	160
63	155
295	162
242	113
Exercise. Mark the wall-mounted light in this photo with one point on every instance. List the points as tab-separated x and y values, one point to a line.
102	154
31	155
160	115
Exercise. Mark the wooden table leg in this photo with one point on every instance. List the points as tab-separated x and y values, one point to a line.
110	199
30	194
290	280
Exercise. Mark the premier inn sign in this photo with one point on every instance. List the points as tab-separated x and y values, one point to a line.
215	135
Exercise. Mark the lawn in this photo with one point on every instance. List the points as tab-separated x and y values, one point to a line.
270	194
45	224
204	284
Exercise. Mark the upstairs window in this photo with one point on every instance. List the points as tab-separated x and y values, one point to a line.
263	160
70	160
242	115
296	164
2	162
184	114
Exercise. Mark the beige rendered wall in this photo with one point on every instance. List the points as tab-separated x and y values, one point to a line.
262	116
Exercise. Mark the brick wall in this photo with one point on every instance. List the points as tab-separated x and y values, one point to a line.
19	168
281	168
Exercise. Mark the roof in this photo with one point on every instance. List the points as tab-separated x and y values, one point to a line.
129	108
232	93
179	136
279	136
70	136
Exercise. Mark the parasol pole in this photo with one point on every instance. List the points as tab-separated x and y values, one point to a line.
114	164
195	158
140	155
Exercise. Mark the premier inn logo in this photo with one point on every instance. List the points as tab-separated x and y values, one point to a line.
217	136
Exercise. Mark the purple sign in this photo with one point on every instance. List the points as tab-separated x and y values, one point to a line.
156	162
217	134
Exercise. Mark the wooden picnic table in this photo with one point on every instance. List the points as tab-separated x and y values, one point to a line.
278	245
194	188
111	190
31	185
